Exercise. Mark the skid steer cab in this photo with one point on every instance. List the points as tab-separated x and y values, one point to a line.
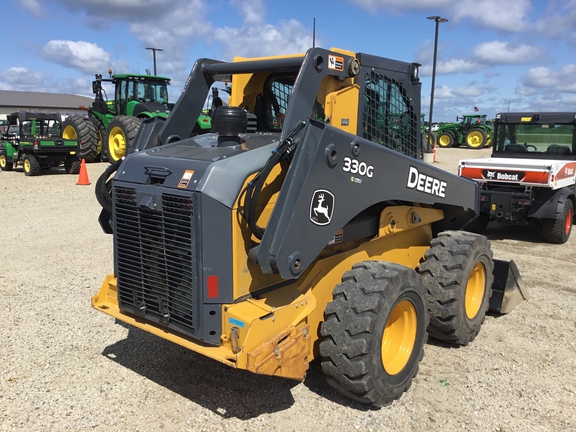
303	226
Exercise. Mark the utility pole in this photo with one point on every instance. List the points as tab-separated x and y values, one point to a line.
438	21
154	56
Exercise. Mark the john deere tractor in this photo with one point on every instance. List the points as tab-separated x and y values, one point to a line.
111	125
471	130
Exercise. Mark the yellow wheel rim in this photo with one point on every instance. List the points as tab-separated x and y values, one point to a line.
475	290
399	337
3	161
69	133
475	139
116	143
99	148
444	140
26	165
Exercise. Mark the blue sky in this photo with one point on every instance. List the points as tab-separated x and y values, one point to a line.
492	54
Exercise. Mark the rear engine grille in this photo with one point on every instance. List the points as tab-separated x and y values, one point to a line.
154	258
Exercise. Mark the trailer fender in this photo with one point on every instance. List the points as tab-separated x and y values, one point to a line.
553	207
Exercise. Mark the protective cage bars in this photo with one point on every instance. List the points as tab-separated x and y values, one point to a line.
154	258
388	117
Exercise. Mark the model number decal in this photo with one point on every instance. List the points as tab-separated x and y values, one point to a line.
425	183
355	166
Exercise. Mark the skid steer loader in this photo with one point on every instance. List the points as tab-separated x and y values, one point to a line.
304	226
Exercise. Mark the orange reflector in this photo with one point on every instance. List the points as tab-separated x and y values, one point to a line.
212	282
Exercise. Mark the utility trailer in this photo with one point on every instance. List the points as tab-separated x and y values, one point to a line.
303	226
530	177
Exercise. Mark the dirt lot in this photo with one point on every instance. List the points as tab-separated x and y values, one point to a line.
66	367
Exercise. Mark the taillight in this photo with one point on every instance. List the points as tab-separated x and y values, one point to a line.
36	145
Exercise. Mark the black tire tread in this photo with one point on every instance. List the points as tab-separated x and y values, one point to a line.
85	133
347	330
553	229
35	166
129	126
445	272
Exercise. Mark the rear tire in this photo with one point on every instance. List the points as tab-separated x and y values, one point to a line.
374	332
31	165
558	230
457	273
445	140
83	130
121	133
4	164
72	165
476	138
102	137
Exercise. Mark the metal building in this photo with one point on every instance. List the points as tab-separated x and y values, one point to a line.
65	104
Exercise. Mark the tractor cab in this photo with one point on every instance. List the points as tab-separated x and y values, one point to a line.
135	94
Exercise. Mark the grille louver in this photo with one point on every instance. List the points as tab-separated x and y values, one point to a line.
154	258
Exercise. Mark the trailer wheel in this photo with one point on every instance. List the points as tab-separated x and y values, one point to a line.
374	332
558	230
83	130
4	164
72	165
121	133
31	165
476	138
457	273
445	140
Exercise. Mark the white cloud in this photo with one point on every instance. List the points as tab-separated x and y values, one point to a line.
510	16
452	66
374	5
252	41
80	55
504	53
22	79
252	11
561	80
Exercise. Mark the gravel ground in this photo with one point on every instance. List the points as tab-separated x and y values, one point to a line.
67	367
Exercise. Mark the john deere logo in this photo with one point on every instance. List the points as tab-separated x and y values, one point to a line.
321	207
515	176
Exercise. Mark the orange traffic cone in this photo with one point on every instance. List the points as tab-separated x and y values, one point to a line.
434	153
83	175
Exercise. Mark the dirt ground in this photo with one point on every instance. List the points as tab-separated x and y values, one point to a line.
67	367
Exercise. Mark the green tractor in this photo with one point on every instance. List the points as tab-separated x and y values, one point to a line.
111	125
471	130
33	141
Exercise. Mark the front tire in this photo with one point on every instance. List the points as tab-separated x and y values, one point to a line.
476	138
558	230
445	140
457	273
83	130
374	332
31	165
121	133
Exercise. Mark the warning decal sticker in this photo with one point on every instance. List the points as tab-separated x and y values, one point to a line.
183	183
335	63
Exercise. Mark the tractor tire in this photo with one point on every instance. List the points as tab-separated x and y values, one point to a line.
446	139
121	133
558	230
476	138
83	130
102	140
31	165
4	164
479	224
72	165
374	332
457	273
